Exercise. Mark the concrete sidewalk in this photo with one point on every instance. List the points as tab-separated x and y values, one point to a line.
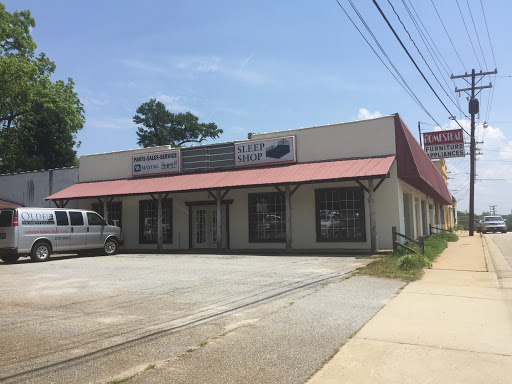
452	326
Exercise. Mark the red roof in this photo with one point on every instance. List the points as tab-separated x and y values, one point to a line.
415	167
8	204
361	168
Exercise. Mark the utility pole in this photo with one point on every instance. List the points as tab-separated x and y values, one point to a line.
492	209
419	130
473	110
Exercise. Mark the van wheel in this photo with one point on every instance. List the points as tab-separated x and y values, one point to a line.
111	247
9	259
41	251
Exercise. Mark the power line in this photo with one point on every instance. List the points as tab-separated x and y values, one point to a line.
405	85
431	48
469	36
488	35
414	43
416	65
447	34
476	33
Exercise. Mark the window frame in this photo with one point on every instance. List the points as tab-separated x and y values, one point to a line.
251	234
59	221
76	214
362	210
142	240
98	208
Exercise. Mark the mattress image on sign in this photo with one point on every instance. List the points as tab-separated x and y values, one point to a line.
277	151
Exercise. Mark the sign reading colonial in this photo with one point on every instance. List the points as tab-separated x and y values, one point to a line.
154	163
444	144
268	151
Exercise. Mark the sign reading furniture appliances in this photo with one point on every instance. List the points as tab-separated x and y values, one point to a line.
444	144
268	151
155	163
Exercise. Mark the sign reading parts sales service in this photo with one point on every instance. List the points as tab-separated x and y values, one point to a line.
155	163
444	144
268	151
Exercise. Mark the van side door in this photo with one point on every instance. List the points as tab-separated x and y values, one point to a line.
78	230
95	230
63	235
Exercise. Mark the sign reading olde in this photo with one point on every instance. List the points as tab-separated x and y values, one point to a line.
267	151
155	163
444	144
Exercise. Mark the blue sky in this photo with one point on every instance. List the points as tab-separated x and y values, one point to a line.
265	66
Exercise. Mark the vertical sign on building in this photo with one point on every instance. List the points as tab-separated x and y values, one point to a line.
444	144
267	151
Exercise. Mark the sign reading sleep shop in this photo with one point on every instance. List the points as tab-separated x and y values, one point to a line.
154	163
444	144
268	151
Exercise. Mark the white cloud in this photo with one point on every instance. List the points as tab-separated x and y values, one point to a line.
506	151
174	103
144	66
365	114
196	64
112	123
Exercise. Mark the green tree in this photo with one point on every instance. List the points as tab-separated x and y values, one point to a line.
39	118
159	126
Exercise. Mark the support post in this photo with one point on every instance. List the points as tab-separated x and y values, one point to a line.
472	160
288	207
160	234
105	209
393	229
373	216
218	199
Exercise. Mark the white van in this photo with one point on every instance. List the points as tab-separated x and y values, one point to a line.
37	232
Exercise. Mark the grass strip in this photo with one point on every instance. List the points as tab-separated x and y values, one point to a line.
409	266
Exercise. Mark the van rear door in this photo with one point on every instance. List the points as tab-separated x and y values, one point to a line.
7	228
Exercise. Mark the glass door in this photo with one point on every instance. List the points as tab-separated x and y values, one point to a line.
204	227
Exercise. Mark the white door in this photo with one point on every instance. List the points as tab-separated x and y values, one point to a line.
204	227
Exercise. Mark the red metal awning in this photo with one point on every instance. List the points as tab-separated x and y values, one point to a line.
361	168
415	167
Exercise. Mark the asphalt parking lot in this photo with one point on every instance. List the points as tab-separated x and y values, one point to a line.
180	318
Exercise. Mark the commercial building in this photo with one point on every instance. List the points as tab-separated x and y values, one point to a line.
334	187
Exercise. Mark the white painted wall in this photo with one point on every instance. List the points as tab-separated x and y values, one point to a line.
31	188
366	138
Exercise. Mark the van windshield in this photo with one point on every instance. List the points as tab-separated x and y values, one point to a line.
5	218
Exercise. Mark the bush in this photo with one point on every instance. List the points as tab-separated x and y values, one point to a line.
413	261
409	266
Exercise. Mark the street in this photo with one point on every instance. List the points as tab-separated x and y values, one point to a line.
195	318
504	242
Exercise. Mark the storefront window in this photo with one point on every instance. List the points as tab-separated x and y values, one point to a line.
148	221
340	215
114	212
267	217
